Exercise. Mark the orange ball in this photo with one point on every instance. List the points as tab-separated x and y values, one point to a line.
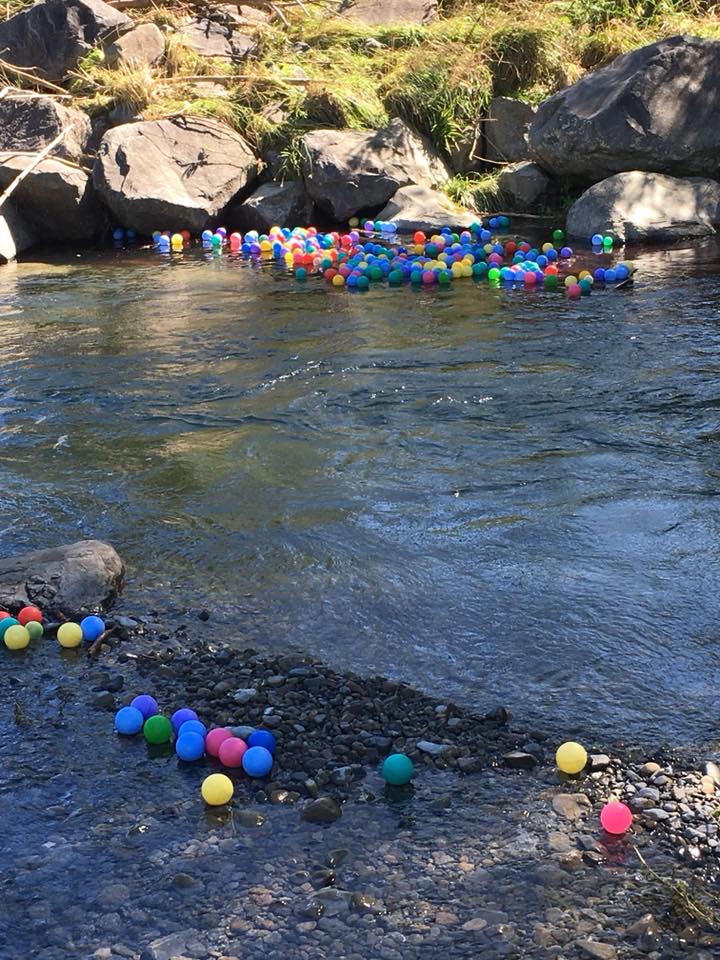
419	236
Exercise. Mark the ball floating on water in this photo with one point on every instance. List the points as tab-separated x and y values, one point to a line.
616	818
6	623
92	628
35	629
257	762
29	613
232	751
147	705
129	721
16	637
263	738
574	291
607	241
181	716
70	635
157	729
397	769
596	240
571	757
566	253
215	738
217	789
190	746
610	276
558	235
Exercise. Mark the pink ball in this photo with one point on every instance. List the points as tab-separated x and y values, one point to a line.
231	752
616	818
574	291
214	739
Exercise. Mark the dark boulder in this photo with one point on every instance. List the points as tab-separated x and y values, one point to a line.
31	121
56	198
281	204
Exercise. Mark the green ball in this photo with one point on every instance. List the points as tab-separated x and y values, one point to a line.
480	269
35	629
551	281
6	623
395	277
608	241
375	273
157	729
397	769
493	273
558	235
362	283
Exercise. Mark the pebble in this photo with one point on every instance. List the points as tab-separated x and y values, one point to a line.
520	760
322	810
244	694
434	749
597	950
568	805
599	761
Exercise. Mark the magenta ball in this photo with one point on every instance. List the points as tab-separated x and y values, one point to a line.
616	818
214	739
232	751
147	705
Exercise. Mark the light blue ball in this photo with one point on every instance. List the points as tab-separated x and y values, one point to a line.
257	762
128	721
190	746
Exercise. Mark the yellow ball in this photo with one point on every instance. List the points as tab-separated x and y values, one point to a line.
353	222
571	757
583	274
265	245
546	247
466	270
16	637
217	789
569	281
69	635
338	280
177	240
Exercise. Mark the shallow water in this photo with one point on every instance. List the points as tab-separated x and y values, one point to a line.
499	496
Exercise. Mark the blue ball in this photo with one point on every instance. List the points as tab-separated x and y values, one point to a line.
190	746
130	233
129	720
551	254
263	738
119	234
181	716
610	276
257	761
596	240
493	223
207	235
599	275
92	627
192	726
622	272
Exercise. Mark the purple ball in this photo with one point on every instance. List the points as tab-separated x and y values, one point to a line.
147	705
566	252
180	716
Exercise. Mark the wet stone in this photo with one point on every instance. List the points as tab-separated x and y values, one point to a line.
568	805
599	761
434	749
475	925
520	760
596	950
322	810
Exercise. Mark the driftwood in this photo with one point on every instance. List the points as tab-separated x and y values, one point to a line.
33	163
225	78
94	648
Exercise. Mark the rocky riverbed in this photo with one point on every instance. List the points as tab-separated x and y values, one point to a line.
491	853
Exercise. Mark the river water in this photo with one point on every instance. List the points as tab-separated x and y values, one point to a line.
502	497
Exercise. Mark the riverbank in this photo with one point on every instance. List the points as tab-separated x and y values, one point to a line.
476	859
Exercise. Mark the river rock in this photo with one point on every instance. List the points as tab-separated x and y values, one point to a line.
567	806
16	234
596	950
282	204
210	39
349	170
66	579
183	943
171	174
647	206
519	760
377	13
525	182
52	35
419	208
322	810
638	113
506	130
56	198
31	121
145	45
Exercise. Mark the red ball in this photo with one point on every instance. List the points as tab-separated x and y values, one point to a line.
329	274
3	614
29	613
231	752
215	739
419	236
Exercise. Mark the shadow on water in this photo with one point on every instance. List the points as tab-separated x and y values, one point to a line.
499	496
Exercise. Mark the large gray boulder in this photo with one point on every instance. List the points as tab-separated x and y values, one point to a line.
57	198
506	130
524	183
30	121
16	234
380	12
143	46
647	206
68	579
420	208
281	204
53	35
171	174
348	170
654	109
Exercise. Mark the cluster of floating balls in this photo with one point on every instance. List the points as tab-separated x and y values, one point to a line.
615	817
193	741
373	253
17	632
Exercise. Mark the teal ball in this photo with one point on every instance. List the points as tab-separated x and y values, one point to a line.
397	769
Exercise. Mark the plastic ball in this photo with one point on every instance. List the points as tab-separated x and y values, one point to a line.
493	273
566	252
571	757
338	280
193	726
190	746
570	281
607	241
558	235
610	276
35	629
232	751
301	273
92	628
621	273
599	275
397	769
147	705
551	281
181	716
29	613
263	738
157	729
363	283
6	623
16	637
217	789
596	240
257	762
70	635
419	236
214	738
574	291
128	721
4	614
616	818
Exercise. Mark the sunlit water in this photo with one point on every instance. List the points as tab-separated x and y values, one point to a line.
499	496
